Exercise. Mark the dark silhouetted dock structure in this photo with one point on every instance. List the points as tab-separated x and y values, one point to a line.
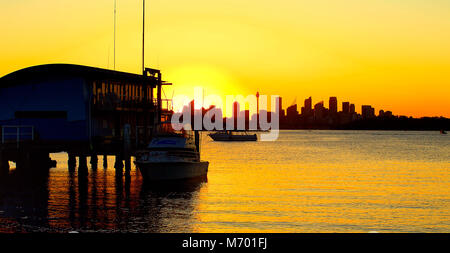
81	110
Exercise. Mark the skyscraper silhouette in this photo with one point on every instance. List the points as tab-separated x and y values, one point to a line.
333	105
346	107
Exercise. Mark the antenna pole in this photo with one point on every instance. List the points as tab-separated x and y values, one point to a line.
143	37
115	11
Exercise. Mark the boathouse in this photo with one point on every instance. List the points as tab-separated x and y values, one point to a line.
77	109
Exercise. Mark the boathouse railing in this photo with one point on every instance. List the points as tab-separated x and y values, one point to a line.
166	104
17	134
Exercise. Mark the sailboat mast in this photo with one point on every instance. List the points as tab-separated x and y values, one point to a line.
143	36
115	14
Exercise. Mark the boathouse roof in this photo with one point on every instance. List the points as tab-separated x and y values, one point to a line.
50	71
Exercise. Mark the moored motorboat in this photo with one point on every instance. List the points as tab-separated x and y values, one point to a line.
233	136
171	157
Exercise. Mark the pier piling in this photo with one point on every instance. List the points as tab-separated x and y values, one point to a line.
82	167
42	160
105	161
94	161
128	163
72	162
119	162
118	165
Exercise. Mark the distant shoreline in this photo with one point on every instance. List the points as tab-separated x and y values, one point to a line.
397	130
378	123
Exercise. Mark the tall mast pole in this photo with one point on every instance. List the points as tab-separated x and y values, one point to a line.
115	11
143	37
146	137
257	110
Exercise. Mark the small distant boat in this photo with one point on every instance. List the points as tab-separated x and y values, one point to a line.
171	157
443	131
233	136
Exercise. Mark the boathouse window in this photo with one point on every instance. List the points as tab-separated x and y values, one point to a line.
138	95
125	94
127	89
40	114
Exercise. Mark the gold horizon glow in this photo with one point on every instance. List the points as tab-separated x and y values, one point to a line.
391	55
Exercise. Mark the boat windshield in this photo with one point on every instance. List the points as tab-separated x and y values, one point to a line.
166	129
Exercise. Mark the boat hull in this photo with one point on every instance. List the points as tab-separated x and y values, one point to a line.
224	137
167	171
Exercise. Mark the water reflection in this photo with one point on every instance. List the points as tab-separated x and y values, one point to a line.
100	200
72	198
170	207
307	181
24	201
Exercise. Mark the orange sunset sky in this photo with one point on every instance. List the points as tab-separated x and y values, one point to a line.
393	55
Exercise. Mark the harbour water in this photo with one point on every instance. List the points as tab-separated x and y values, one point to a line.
307	181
